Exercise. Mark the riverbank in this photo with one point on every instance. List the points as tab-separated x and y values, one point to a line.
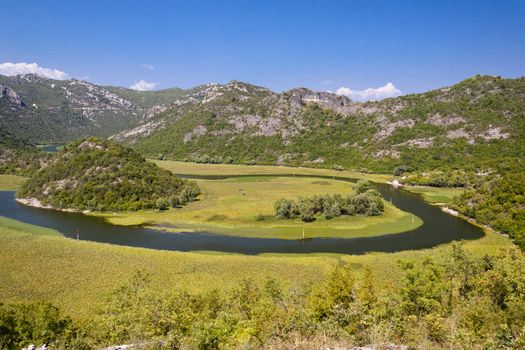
35	203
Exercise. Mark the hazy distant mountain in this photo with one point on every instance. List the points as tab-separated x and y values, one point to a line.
46	110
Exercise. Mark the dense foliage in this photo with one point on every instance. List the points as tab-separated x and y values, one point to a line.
18	157
454	302
101	175
367	201
206	159
40	323
500	203
455	178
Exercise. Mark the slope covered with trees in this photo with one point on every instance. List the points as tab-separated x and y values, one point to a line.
101	175
17	157
498	202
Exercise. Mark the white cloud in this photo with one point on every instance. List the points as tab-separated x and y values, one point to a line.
327	82
389	90
143	85
9	68
148	66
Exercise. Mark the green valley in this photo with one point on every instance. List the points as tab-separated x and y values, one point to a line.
273	175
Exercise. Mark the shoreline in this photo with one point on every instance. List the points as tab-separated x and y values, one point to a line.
444	207
36	203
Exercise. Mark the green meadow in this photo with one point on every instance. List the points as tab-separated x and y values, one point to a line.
436	194
245	207
190	168
11	182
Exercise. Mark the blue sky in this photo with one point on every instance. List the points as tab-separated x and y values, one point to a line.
324	45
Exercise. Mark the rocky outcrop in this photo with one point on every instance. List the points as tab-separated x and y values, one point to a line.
11	96
341	104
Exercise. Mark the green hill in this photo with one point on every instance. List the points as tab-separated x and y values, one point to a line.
44	110
93	174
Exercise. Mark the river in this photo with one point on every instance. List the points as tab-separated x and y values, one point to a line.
438	228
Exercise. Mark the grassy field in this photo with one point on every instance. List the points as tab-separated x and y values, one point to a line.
39	264
436	194
233	169
244	207
11	182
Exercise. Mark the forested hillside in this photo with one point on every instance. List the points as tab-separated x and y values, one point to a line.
17	157
498	202
93	174
474	125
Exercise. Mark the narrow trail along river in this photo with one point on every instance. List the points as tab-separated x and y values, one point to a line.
438	228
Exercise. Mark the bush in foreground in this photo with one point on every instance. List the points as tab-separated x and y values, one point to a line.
456	301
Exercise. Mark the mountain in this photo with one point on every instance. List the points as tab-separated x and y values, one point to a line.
100	175
476	124
44	110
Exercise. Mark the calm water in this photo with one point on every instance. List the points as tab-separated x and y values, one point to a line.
438	228
52	148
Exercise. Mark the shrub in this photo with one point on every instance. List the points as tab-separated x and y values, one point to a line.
401	169
363	186
162	204
174	201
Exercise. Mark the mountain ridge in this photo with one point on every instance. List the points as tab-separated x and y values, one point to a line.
480	116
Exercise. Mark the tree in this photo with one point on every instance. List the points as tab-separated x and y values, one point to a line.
306	209
174	201
400	169
283	208
336	297
25	324
332	210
